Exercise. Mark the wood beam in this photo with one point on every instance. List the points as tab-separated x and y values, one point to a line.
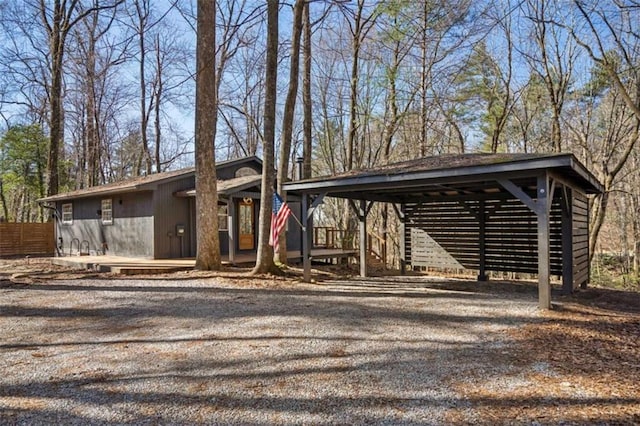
517	192
316	202
402	217
307	237
482	221
231	228
540	206
362	219
544	263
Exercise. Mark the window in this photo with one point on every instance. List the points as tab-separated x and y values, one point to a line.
67	214
107	212
222	218
246	171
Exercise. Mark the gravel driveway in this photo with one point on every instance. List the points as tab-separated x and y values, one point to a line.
247	351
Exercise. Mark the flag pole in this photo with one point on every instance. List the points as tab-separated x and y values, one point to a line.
297	220
293	214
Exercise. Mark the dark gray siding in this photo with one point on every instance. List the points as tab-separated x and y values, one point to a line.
170	212
224	242
294	232
131	233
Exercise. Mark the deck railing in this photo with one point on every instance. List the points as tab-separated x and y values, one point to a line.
377	247
332	238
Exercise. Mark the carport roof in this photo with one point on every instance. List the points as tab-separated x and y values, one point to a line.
449	175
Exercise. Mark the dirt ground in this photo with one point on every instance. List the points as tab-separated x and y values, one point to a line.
586	365
576	364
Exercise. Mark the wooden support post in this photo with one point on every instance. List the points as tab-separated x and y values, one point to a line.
402	216
231	231
306	214
544	263
362	218
482	219
540	206
567	240
307	237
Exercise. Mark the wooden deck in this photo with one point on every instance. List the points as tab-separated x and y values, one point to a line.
132	266
316	254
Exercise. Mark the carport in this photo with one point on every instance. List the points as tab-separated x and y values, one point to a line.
488	212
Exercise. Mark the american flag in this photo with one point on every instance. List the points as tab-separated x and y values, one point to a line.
279	215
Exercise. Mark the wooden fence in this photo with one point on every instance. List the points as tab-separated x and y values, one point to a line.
22	239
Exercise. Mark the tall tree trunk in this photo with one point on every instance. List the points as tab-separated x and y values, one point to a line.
264	258
353	87
359	30
287	120
424	80
208	240
306	96
158	100
56	127
92	142
143	16
3	199
57	25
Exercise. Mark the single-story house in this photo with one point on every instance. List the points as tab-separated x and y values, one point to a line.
154	216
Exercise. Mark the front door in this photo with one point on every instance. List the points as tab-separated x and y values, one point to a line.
246	240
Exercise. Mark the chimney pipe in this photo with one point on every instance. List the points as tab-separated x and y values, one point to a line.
299	167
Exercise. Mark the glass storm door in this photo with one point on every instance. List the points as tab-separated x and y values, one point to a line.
245	226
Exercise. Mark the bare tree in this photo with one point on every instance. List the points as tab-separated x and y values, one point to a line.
24	71
169	88
93	93
288	117
58	23
529	133
141	22
208	240
306	95
359	26
619	59
552	58
240	74
243	102
264	260
612	42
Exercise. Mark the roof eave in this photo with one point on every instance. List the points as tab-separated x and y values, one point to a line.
96	191
585	174
533	166
458	172
114	191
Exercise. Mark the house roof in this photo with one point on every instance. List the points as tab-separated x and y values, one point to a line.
228	186
447	175
140	183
